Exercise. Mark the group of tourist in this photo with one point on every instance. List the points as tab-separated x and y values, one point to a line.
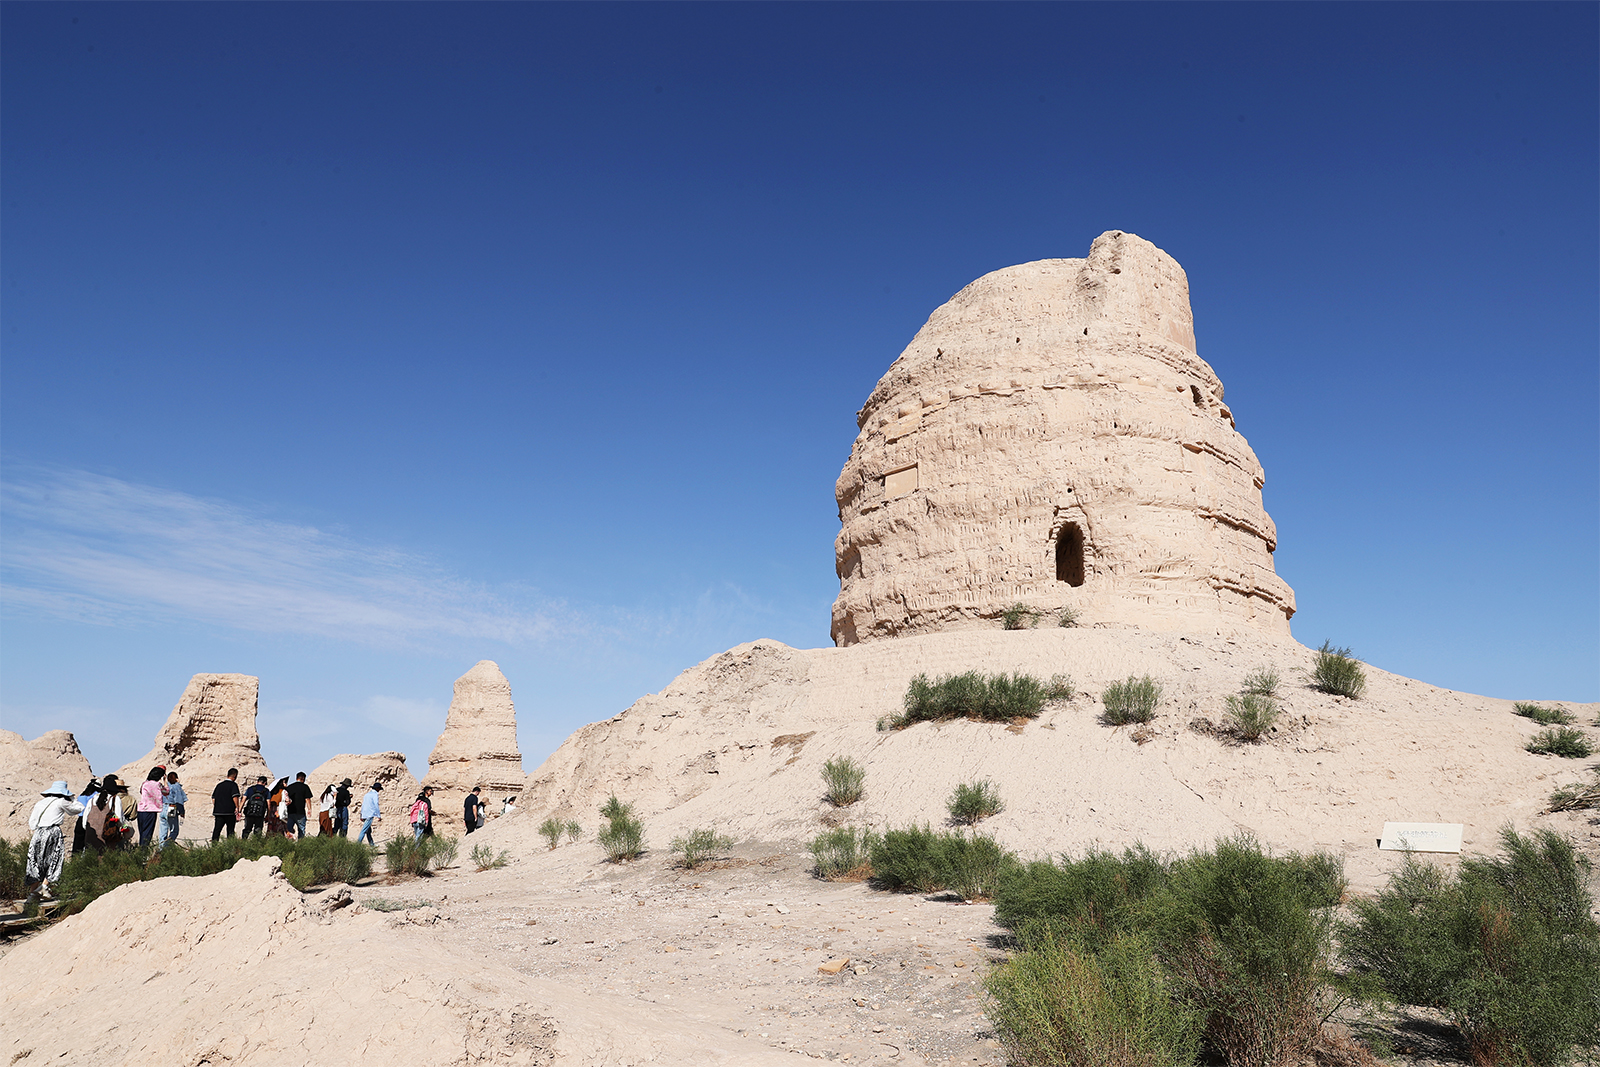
107	817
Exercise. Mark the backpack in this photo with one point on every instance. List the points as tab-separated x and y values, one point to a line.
255	805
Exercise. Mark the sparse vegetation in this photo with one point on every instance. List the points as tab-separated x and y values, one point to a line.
484	857
1506	948
13	869
844	778
623	835
699	846
1336	671
1131	700
1019	617
1578	796
918	859
973	695
385	904
615	809
1565	741
1060	687
408	857
1263	683
1542	715
843	854
551	830
972	801
574	831
1068	617
1252	715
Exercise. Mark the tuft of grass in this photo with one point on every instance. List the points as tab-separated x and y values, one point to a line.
1505	947
1068	617
551	830
844	778
843	854
408	858
384	904
1059	687
1019	617
1252	715
615	809
574	831
1542	715
1336	671
484	857
623	837
1261	683
972	801
699	846
1061	1005
1578	796
973	695
1564	741
1131	700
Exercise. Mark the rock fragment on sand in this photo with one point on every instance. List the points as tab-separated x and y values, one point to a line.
835	966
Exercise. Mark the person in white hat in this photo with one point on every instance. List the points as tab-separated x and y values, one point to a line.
47	851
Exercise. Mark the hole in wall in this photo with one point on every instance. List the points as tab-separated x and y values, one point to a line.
1194	391
1069	554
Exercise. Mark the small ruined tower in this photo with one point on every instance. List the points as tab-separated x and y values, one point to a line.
1051	437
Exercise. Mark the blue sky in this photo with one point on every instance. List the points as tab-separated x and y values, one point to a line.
346	345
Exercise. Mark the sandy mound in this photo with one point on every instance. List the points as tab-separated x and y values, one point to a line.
26	767
738	743
238	968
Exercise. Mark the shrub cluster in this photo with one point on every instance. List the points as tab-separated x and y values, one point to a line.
409	857
1019	617
1565	741
973	695
1542	715
1251	715
1261	683
623	835
484	857
1067	617
1139	959
918	859
551	830
843	854
1336	671
972	801
844	778
699	846
13	869
1131	700
1506	948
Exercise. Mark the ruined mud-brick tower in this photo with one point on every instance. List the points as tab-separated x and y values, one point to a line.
1051	437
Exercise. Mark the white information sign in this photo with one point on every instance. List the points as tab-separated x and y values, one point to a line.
1422	836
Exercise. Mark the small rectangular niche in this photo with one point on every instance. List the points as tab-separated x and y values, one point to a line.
900	482
1069	554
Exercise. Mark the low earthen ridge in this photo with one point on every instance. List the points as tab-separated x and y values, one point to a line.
1051	437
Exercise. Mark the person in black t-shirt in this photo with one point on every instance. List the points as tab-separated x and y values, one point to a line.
225	804
256	801
298	794
472	810
341	809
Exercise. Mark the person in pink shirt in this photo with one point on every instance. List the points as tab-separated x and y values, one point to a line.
152	795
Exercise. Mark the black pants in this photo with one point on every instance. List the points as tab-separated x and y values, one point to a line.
223	820
253	825
147	827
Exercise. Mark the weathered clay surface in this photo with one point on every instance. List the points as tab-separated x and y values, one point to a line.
1051	437
212	728
399	787
28	767
478	745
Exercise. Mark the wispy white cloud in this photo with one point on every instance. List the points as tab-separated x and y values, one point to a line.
99	549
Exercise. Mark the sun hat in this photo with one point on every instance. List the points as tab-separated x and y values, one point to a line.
59	789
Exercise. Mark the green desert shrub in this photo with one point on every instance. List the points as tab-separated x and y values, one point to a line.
1251	715
1336	671
1578	796
699	846
1131	700
1542	715
551	830
972	801
407	857
1019	617
973	695
1506	948
1058	1004
922	860
843	777
1263	682
1059	687
622	838
13	869
614	808
1565	741
574	831
1067	617
306	862
843	854
484	858
1086	901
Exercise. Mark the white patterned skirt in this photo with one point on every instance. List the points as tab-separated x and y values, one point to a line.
46	854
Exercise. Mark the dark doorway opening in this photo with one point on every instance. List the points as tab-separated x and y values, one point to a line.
1069	554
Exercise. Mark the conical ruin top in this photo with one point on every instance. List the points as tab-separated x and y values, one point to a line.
1051	438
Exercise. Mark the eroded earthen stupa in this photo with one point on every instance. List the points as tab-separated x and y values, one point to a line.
478	745
1051	437
212	728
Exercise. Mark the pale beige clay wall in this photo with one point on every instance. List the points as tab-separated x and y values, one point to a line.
1052	396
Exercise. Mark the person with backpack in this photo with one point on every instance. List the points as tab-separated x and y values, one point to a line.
421	814
370	814
341	809
256	799
299	795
